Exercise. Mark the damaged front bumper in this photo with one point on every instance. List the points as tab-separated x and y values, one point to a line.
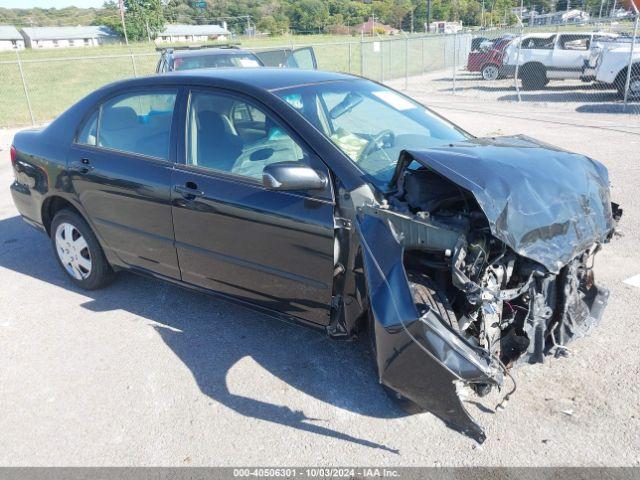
417	355
534	294
423	360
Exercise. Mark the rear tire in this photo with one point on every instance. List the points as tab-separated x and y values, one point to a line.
78	251
634	86
533	78
490	72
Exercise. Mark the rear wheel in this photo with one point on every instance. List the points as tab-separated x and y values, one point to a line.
634	86
490	71
78	251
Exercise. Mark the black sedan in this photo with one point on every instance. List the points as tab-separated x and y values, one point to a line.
336	202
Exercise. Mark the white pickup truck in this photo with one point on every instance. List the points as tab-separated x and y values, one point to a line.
550	56
609	65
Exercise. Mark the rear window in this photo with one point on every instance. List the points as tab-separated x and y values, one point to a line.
243	60
136	123
88	134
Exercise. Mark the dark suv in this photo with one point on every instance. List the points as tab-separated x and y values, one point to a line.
225	56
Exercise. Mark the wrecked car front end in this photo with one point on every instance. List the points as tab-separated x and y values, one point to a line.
480	258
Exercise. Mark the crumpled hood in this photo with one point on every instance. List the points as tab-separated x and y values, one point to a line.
547	204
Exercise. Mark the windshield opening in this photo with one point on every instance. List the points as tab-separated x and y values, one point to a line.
370	123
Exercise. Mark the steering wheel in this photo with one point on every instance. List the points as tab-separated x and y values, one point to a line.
375	143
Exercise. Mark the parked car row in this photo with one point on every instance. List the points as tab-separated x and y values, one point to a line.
541	57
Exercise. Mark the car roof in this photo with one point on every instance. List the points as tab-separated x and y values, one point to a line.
263	78
201	52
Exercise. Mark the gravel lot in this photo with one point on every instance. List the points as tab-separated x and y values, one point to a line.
143	373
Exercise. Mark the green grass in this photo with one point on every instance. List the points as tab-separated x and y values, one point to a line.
57	78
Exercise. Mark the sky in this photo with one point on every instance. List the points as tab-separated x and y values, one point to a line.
50	3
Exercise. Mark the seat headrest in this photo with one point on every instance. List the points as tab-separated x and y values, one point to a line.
211	123
118	118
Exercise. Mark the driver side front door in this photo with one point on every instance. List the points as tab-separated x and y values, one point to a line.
269	248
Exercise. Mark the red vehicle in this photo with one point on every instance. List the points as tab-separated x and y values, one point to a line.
487	58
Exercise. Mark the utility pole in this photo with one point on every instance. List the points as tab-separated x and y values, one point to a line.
373	19
428	16
124	27
482	15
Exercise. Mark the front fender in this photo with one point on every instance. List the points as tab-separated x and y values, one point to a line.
417	356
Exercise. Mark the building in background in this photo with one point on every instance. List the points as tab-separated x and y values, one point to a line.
445	27
557	18
65	37
193	33
10	38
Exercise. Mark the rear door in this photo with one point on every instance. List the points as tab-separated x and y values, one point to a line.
120	168
569	55
265	247
304	58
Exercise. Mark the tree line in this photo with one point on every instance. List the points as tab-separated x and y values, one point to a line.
145	18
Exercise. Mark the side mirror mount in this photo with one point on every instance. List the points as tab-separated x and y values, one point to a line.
292	176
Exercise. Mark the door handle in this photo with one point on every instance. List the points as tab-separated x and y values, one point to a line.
189	190
83	166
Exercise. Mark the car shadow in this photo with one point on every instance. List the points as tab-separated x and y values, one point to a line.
615	108
587	93
210	336
559	96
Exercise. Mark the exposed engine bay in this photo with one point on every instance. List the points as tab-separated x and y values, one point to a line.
504	303
479	258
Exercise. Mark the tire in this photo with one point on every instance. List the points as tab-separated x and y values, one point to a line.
634	86
490	72
533	78
427	295
78	251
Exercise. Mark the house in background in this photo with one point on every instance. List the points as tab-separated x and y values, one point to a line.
444	27
64	37
192	33
10	38
370	27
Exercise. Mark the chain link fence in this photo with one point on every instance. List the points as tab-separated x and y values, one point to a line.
552	64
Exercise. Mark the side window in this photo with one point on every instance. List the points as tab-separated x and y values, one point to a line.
89	132
302	58
574	42
227	134
537	43
138	123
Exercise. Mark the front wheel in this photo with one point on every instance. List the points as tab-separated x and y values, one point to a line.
78	251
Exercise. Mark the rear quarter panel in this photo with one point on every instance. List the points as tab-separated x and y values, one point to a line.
39	171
